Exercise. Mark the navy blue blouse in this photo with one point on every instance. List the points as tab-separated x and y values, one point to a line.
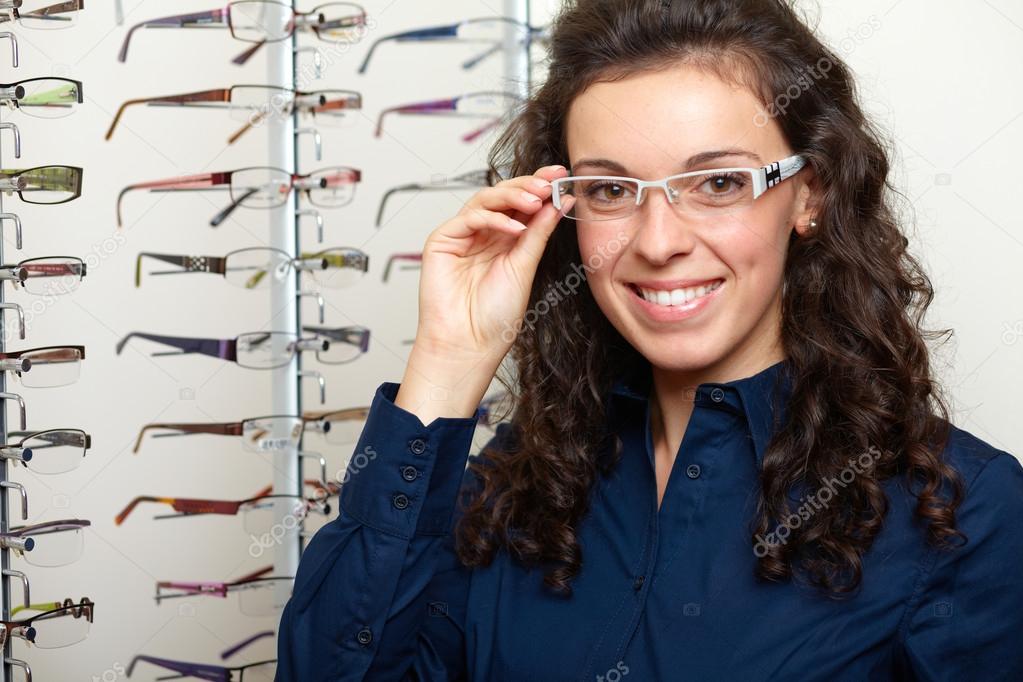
664	594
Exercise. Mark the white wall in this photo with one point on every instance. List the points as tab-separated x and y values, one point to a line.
934	73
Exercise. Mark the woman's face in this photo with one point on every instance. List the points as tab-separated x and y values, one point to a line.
648	126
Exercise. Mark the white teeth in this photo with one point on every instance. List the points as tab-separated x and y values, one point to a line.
677	296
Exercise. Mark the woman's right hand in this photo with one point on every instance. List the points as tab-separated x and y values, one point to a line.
478	267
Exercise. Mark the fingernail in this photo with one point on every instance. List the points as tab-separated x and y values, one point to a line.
540	183
557	167
531	197
516	224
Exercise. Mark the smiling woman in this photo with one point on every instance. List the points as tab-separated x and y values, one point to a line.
728	457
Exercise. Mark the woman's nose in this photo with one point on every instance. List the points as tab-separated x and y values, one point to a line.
660	231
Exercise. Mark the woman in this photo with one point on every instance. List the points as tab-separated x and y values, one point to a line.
728	457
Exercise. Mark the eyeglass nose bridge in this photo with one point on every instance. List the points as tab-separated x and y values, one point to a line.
669	192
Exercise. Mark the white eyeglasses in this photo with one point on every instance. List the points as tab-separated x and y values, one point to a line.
699	193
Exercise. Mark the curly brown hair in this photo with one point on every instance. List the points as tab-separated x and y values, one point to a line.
852	310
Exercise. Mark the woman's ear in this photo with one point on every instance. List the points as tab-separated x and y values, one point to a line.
808	203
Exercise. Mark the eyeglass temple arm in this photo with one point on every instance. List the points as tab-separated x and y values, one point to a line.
354	336
411	187
470	136
224	214
774	173
212	264
218	429
416	257
259	573
225	349
530	36
215	95
198	670
352	101
423	108
431	33
245	56
247	127
130	507
208	588
232	650
205	19
185	182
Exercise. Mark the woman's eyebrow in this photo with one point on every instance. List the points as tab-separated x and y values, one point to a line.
691	162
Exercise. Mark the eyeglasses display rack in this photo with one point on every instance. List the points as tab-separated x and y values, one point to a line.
38	624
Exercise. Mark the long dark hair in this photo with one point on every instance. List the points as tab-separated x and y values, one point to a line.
852	310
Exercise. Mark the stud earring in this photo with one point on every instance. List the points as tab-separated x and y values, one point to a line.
813	224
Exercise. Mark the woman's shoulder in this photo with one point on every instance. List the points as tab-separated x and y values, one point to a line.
982	467
990	514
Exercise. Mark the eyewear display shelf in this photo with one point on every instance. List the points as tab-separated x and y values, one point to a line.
283	151
12	492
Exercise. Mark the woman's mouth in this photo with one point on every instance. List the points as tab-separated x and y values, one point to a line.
668	305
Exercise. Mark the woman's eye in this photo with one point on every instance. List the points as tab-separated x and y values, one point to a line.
722	184
609	191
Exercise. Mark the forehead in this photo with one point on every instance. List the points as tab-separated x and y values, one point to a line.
652	122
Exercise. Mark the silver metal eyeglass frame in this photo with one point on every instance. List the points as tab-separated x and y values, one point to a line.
763	179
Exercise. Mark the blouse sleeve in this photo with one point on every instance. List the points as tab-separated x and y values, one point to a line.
966	620
379	593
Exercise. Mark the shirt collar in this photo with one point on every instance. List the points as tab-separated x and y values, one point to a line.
752	396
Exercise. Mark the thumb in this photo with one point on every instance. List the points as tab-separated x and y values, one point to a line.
530	247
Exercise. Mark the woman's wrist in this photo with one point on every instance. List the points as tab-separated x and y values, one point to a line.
444	385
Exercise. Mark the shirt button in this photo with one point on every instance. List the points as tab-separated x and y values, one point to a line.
417	446
400	501
693	471
717	395
638	585
364	637
409	473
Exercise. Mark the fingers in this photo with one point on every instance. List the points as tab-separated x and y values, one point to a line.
524	194
476	219
531	245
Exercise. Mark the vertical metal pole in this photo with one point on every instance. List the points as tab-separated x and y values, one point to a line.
5	558
517	60
284	303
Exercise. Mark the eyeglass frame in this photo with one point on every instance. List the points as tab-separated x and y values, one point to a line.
450	32
223	349
15	449
18	273
195	506
222	180
11	13
221	428
75	187
223	18
217	265
14	102
763	178
223	96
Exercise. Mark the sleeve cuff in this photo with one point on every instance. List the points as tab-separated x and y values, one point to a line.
403	477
